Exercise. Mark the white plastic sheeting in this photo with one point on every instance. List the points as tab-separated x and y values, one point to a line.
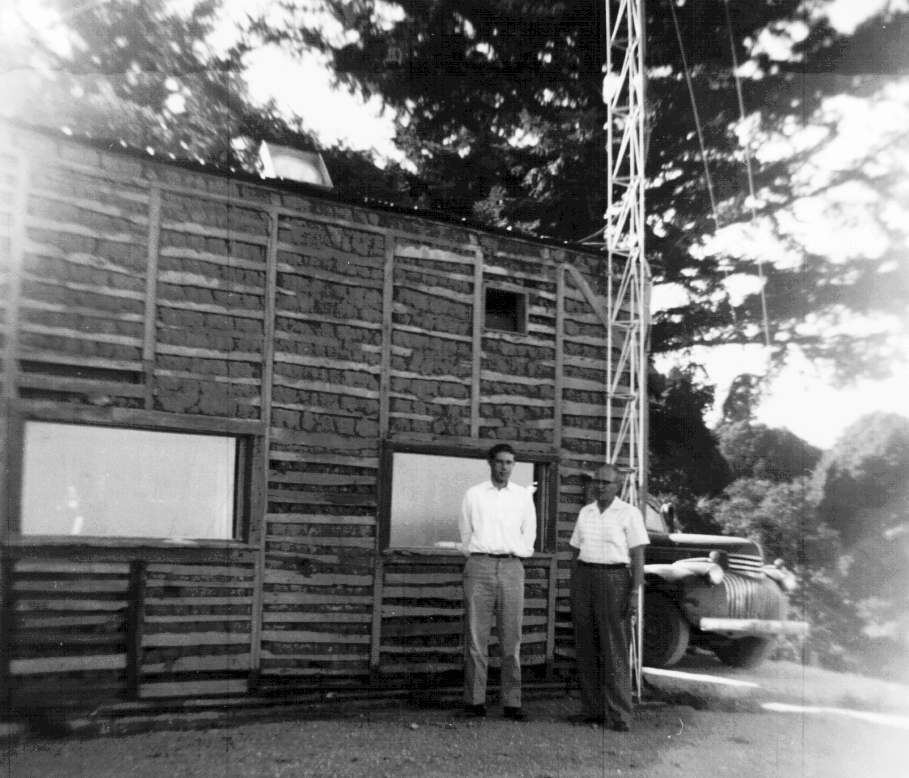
117	482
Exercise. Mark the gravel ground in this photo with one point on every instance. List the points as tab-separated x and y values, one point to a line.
702	729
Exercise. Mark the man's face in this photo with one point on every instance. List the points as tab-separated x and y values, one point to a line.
500	468
603	490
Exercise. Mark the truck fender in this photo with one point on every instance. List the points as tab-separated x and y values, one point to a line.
684	569
782	577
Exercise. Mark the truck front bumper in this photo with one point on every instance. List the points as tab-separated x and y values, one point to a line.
735	628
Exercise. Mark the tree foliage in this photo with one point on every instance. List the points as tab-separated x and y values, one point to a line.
779	516
499	107
862	483
685	464
142	73
757	451
136	71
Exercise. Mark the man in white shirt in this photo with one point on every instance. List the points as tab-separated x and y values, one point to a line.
498	529
605	580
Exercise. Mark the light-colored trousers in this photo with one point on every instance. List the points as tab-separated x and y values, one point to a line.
492	584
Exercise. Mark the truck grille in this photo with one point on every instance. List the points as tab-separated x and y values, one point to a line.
752	598
747	564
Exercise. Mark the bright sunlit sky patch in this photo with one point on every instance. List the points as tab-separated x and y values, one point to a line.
302	86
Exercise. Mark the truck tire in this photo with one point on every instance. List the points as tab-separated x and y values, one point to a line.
745	652
666	633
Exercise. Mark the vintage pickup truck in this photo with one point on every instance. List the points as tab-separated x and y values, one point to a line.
711	591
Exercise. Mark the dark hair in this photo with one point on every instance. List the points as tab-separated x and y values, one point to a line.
497	449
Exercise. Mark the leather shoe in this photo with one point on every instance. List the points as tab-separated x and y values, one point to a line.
515	714
475	711
584	719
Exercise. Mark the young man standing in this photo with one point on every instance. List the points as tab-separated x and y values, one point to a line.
607	575
498	529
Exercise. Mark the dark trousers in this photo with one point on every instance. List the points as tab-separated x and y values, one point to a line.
599	597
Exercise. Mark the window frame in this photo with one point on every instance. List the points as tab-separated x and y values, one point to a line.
546	498
522	314
249	475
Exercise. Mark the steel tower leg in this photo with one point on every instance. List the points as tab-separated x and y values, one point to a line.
626	268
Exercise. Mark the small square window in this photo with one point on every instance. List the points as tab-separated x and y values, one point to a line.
506	311
98	481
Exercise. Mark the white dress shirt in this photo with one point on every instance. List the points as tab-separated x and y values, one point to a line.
604	538
498	521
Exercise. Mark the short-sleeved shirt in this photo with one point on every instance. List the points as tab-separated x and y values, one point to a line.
604	538
498	521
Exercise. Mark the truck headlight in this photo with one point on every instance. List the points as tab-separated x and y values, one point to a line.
715	574
720	558
789	582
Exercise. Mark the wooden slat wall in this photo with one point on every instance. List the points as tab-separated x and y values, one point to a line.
518	371
81	305
210	307
147	287
196	622
73	620
69	631
432	336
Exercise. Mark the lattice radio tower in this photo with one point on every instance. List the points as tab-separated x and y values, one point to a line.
627	272
622	239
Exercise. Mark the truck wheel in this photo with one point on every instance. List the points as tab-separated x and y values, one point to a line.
745	652
666	633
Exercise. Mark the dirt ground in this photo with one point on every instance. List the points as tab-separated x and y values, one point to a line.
782	720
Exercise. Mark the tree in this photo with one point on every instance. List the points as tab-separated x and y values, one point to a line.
684	462
781	517
499	109
742	399
141	73
135	71
862	484
757	451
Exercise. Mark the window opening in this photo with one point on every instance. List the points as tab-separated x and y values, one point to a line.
427	492
119	482
506	311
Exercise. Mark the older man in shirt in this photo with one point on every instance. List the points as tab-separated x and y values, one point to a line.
498	529
608	573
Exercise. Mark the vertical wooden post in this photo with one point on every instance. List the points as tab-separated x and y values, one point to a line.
388	286
135	617
477	353
151	292
10	455
6	507
559	358
7	624
259	503
375	643
14	278
551	614
383	495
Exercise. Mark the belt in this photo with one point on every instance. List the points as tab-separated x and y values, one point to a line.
497	556
603	565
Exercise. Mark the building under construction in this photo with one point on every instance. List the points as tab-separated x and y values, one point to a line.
238	418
